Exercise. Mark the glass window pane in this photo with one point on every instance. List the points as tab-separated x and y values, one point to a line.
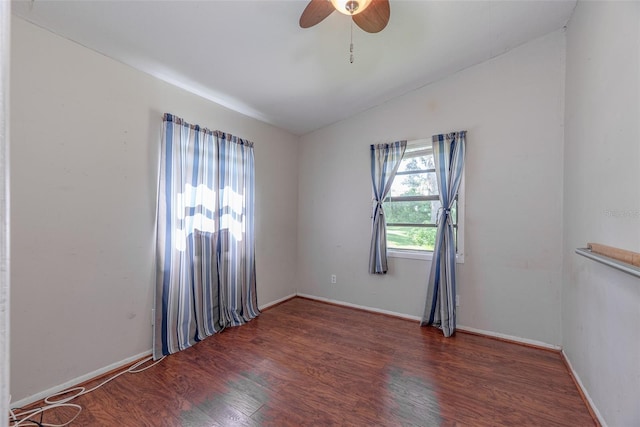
412	163
424	212
454	212
413	238
418	184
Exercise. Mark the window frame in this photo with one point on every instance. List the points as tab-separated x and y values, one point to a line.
425	254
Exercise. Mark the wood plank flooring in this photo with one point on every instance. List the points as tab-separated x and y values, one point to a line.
306	363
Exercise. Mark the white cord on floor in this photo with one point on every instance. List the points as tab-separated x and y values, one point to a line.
24	418
54	401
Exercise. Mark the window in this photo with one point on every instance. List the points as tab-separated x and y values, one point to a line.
413	205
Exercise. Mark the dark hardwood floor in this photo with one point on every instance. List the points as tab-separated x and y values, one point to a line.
306	363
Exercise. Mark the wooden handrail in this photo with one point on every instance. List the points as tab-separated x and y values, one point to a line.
623	255
620	259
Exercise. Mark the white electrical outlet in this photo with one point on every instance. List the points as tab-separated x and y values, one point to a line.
334	279
457	300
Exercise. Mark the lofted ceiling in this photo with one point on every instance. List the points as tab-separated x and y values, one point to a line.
252	57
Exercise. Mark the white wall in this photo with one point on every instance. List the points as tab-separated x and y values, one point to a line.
601	306
512	108
85	144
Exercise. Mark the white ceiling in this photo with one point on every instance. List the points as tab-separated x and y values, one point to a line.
252	57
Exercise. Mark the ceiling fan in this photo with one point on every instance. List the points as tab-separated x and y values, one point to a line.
370	15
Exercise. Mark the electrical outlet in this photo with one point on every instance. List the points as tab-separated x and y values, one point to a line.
334	279
457	300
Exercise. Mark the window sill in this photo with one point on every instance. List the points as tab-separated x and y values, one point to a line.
422	255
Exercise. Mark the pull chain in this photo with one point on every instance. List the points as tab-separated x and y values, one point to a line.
351	44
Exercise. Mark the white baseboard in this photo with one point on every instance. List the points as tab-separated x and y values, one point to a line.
360	307
416	318
278	301
584	390
79	380
506	337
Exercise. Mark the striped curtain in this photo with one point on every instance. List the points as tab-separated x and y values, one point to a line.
385	160
205	251
448	154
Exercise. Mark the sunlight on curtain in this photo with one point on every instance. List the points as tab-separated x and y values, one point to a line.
448	154
205	244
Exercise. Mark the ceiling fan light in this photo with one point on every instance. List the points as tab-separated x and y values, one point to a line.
350	7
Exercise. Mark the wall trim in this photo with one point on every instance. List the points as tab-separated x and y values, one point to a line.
461	328
593	410
509	338
276	302
79	380
359	307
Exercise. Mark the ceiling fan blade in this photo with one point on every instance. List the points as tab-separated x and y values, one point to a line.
375	17
315	12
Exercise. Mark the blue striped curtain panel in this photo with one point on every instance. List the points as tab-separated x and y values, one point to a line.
205	251
385	160
440	309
